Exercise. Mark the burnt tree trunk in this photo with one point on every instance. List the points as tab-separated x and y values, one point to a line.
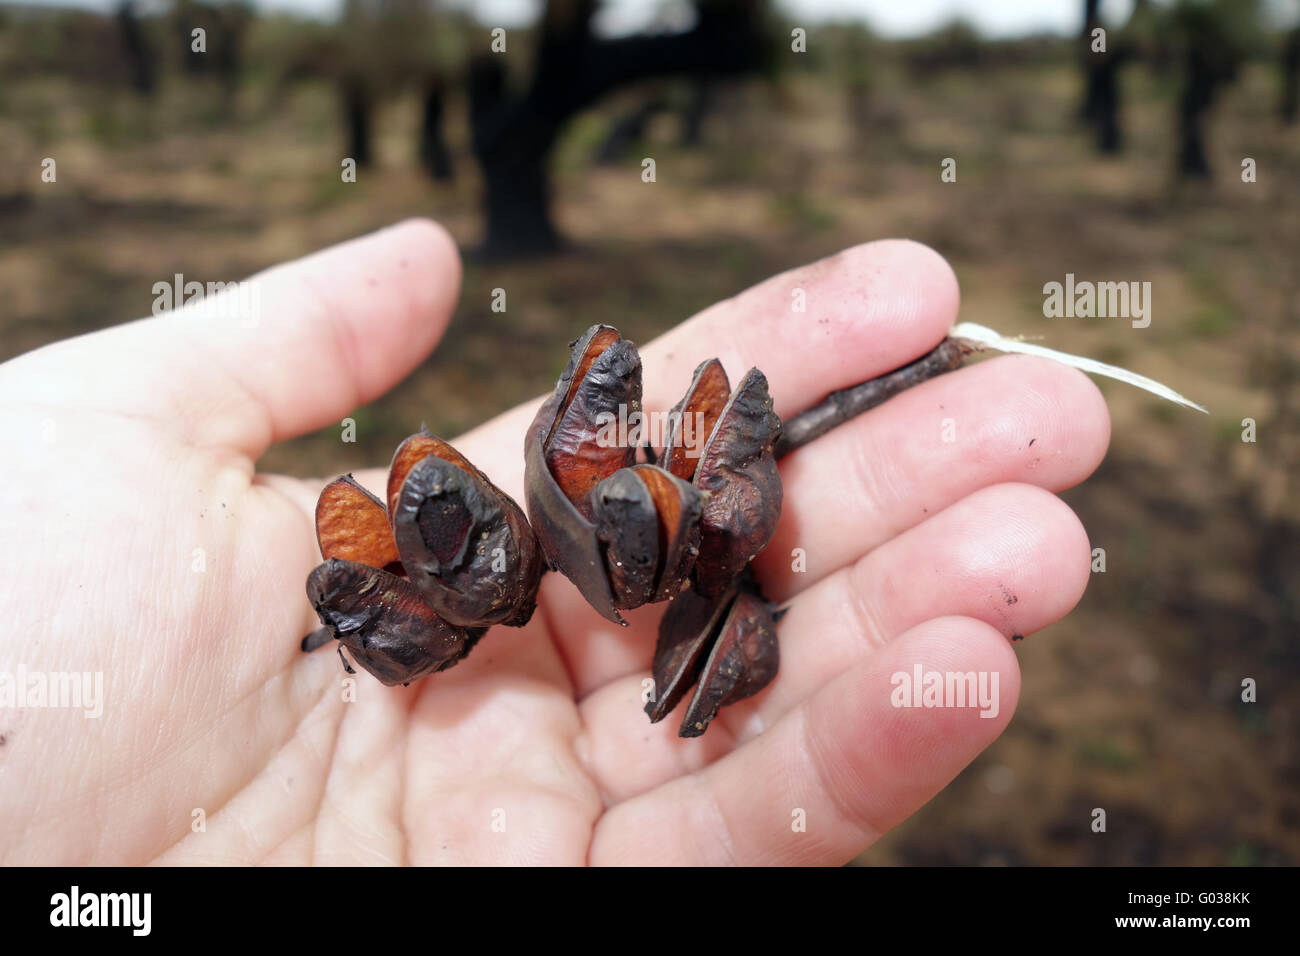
356	119
1088	108
1199	84
1291	77
139	58
697	110
434	154
513	135
1100	108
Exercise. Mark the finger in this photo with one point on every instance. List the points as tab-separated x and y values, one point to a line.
834	774
1013	419
1014	557
868	310
298	347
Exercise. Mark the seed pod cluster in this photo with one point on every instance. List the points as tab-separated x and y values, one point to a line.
409	586
681	526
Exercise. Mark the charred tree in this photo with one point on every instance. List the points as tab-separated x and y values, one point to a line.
139	58
1199	83
1291	77
513	135
1100	109
1215	40
357	109
434	154
697	109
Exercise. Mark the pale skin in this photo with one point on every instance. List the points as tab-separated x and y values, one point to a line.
150	549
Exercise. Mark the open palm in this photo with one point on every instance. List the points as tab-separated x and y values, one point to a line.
141	544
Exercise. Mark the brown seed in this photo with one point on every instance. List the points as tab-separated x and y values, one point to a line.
678	507
627	525
707	397
606	381
352	524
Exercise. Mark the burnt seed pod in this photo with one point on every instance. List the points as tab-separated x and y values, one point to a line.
649	523
724	646
384	624
735	467
682	530
626	534
410	587
564	460
463	542
719	442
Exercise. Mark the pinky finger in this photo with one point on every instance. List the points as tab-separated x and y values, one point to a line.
851	762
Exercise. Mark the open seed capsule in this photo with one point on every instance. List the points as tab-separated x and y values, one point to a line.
738	473
649	523
565	459
725	646
464	543
383	623
592	516
469	552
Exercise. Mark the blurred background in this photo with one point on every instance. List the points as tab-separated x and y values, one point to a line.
781	132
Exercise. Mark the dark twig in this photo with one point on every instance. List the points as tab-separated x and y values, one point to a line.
317	638
838	407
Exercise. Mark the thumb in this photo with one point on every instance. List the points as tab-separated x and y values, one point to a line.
292	349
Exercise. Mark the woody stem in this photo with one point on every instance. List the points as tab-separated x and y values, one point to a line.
838	407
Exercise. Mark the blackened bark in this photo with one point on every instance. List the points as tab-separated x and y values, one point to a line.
356	118
139	58
1291	77
513	136
1199	83
697	109
1088	108
1101	99
434	154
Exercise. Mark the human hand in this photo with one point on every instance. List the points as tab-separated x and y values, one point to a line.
131	448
